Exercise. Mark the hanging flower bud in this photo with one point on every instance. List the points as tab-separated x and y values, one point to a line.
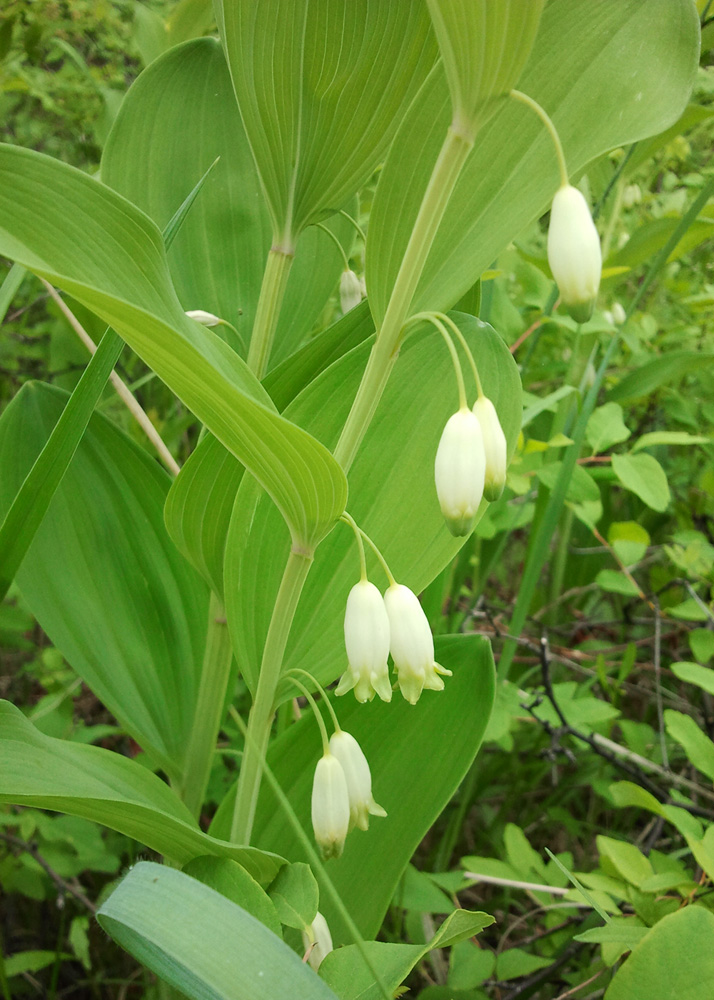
330	806
350	291
412	644
318	939
494	446
203	317
367	644
459	471
574	252
618	313
359	780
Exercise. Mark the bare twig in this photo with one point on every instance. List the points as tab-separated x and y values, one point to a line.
576	989
121	388
624	762
517	884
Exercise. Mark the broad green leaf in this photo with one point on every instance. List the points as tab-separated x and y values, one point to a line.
693	673
235	883
202	943
345	971
624	860
701	643
668	880
673	961
24	516
615	582
668	438
644	476
484	47
469	966
621	930
644	243
392	483
38	770
671	367
103	578
699	748
519	852
625	793
321	89
89	241
606	428
417	892
295	894
629	540
693	115
583	493
515	962
414	773
200	501
536	405
199	505
32	499
597	94
189	19
9	288
31	961
177	119
150	32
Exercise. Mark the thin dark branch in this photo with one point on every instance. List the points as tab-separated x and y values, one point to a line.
62	884
636	774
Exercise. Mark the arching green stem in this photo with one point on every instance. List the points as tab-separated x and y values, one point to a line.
429	317
548	122
319	225
316	711
465	344
320	688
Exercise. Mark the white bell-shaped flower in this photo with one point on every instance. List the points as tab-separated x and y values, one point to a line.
574	252
330	806
367	644
350	291
459	471
318	939
203	317
412	644
494	446
359	779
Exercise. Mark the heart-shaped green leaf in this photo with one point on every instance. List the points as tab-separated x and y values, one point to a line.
321	89
79	234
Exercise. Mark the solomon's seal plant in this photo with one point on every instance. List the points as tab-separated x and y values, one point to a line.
229	267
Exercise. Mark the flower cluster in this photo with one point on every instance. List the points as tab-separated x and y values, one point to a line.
376	626
470	464
341	794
